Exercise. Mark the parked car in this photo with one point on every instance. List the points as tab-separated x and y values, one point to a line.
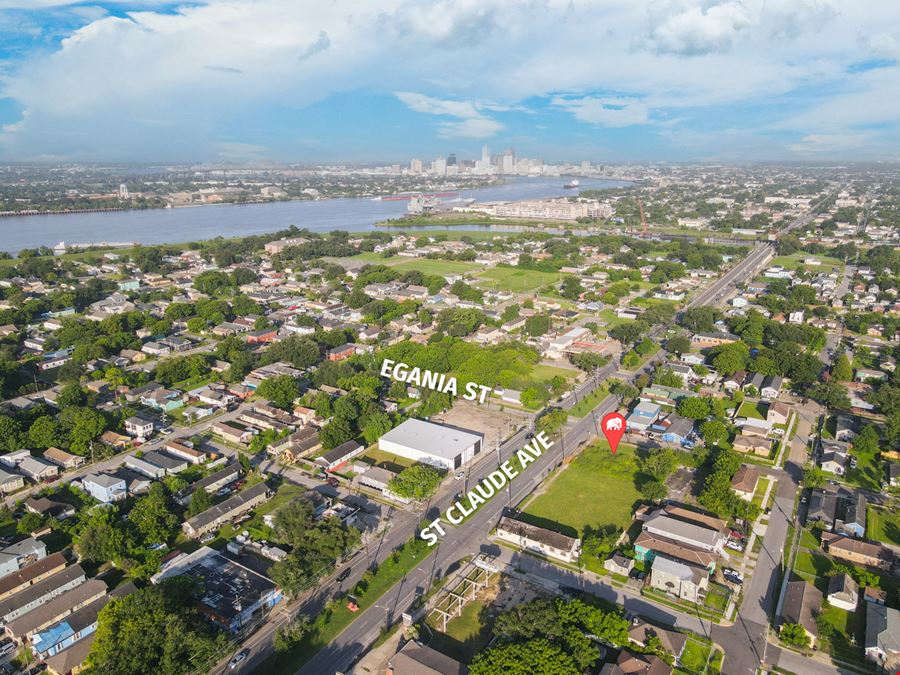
240	656
734	546
733	575
333	482
208	537
7	646
460	475
344	574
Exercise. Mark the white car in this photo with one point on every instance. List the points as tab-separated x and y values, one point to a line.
734	546
240	656
460	475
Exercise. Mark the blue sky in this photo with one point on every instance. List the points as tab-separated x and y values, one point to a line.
386	80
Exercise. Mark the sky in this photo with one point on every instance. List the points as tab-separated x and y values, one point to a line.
307	81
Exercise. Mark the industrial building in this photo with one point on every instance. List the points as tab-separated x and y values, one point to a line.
440	446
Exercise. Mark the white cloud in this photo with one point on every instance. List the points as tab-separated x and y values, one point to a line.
180	82
606	112
473	122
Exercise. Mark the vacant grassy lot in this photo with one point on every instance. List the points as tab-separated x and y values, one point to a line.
596	490
544	373
516	280
694	657
466	635
754	410
883	526
795	260
438	267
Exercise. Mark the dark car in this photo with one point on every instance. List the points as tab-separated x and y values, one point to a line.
333	482
344	574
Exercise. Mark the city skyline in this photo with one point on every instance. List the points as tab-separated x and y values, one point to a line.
231	80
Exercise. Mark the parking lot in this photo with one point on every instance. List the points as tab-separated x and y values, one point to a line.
494	424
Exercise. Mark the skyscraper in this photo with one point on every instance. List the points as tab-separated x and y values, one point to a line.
451	159
415	166
485	154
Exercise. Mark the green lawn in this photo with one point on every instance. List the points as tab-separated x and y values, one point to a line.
868	473
610	319
544	373
754	410
694	657
795	260
589	402
466	635
437	267
883	526
597	490
761	490
516	280
845	626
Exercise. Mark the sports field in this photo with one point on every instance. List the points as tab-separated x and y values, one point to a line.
516	280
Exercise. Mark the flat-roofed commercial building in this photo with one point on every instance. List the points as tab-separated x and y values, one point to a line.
435	444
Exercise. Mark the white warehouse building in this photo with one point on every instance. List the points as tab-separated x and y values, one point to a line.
440	446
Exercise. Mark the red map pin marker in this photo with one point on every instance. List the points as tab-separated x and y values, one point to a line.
613	427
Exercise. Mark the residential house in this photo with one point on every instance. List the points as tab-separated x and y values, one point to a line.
31	574
642	416
632	663
340	353
170	463
62	458
671	641
10	482
233	433
752	444
105	488
37	594
146	468
679	578
49	508
854	521
822	507
619	564
539	539
38	470
771	387
337	457
778	413
416	658
47	614
114	440
882	642
139	428
843	592
233	507
802	603
858	551
21	554
744	482
186	452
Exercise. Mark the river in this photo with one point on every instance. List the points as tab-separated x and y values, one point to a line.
159	226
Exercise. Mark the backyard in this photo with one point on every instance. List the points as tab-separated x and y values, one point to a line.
883	526
753	410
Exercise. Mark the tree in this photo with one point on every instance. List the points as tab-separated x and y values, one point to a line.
794	634
280	390
29	522
100	540
537	325
678	344
524	658
695	408
658	463
291	633
830	394
628	333
714	432
71	394
154	629
842	371
84	425
571	288
10	434
654	490
46	432
416	482
700	319
528	620
551	421
731	358
153	518
376	426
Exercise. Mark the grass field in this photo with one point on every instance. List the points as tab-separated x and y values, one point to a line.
795	260
466	635
437	267
694	657
544	373
516	280
883	526
868	472
596	490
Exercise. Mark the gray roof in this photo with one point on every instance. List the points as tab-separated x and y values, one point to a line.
49	611
680	529
231	504
40	589
435	439
801	603
882	627
164	461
